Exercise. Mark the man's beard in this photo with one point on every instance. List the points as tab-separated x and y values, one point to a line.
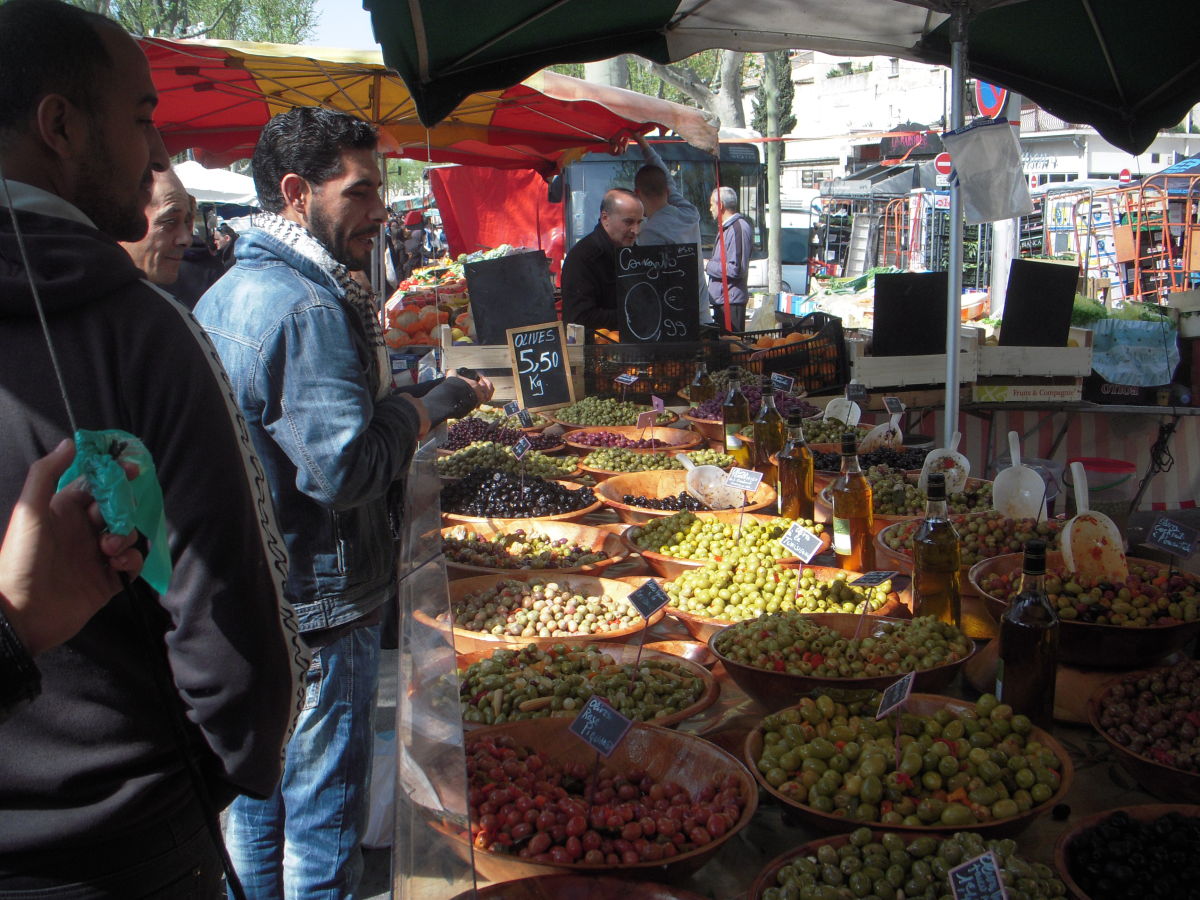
119	214
322	229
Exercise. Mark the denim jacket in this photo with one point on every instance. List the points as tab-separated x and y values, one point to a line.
299	360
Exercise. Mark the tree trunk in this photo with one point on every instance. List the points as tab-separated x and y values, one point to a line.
774	214
727	100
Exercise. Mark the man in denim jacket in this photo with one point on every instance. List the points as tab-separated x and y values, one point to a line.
303	346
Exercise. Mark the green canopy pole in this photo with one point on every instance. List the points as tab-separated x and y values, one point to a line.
958	66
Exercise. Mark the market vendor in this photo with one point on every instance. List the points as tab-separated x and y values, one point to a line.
589	276
729	273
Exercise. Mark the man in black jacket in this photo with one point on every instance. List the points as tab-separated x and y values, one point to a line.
159	700
589	276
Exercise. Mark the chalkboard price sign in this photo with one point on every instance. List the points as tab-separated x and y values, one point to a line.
872	579
896	695
541	370
600	726
647	419
782	382
1172	537
626	378
743	479
511	408
659	293
801	542
977	879
857	393
524	418
649	598
893	405
656	403
521	447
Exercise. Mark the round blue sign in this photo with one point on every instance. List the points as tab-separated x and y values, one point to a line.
990	100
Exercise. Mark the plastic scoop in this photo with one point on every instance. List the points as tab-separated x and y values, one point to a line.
1018	491
843	410
707	484
885	434
1091	543
948	460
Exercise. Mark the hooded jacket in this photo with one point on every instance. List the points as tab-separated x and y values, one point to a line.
95	757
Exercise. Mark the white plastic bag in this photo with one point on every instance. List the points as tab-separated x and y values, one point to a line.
987	165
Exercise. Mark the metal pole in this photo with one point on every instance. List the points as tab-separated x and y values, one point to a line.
958	61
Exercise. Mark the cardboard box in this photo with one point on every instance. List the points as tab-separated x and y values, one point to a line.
1004	389
1039	361
1098	389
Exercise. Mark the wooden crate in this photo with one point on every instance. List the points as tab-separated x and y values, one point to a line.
900	371
1039	361
493	360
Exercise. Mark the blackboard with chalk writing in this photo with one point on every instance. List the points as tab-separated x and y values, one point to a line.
657	293
541	370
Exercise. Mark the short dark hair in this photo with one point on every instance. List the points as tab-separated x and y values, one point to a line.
651	181
307	141
610	198
48	47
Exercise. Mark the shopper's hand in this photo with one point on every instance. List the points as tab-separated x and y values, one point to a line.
482	386
58	566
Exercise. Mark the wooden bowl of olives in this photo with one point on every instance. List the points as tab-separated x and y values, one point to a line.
573	515
1102	644
1086	862
509	687
535	545
822	589
656	487
649	763
932	779
1149	721
578	887
605	600
945	651
760	526
665	419
977	491
660	438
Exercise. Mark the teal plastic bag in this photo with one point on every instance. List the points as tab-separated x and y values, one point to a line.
125	504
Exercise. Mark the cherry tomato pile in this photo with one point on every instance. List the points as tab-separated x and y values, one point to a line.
536	808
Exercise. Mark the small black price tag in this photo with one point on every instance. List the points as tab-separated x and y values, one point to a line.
782	382
873	579
802	542
1172	537
743	479
511	407
600	726
896	695
656	403
626	378
893	405
649	598
977	879
524	418
521	447
647	419
857	393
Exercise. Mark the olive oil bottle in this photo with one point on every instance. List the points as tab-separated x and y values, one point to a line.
770	434
937	560
853	516
1029	644
702	387
735	417
797	493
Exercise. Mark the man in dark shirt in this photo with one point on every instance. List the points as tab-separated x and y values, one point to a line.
589	279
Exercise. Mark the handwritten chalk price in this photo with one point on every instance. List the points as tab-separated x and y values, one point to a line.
977	879
743	479
647	419
521	447
656	403
524	418
857	393
511	407
782	382
874	579
626	378
649	598
893	405
896	695
801	542
1172	537
600	726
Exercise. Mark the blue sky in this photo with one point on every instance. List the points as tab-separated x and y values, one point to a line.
344	24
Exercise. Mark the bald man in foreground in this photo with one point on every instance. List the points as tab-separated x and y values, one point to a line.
170	217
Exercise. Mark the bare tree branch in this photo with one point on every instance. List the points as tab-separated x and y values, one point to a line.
685	81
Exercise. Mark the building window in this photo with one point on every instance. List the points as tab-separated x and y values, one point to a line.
1153	158
893	67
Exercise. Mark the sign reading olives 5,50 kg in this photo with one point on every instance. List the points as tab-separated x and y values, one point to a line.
659	293
541	371
600	726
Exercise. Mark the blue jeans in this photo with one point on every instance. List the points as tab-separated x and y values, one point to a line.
303	842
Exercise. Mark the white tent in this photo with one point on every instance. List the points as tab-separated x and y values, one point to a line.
216	185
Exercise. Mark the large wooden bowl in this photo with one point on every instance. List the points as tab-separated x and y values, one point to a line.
623	654
578	887
824	477
1161	780
671	415
592	539
673	566
1147	812
615	591
880	522
575	471
775	690
922	704
702	628
673	438
662	753
712	430
1088	644
662	483
499	522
